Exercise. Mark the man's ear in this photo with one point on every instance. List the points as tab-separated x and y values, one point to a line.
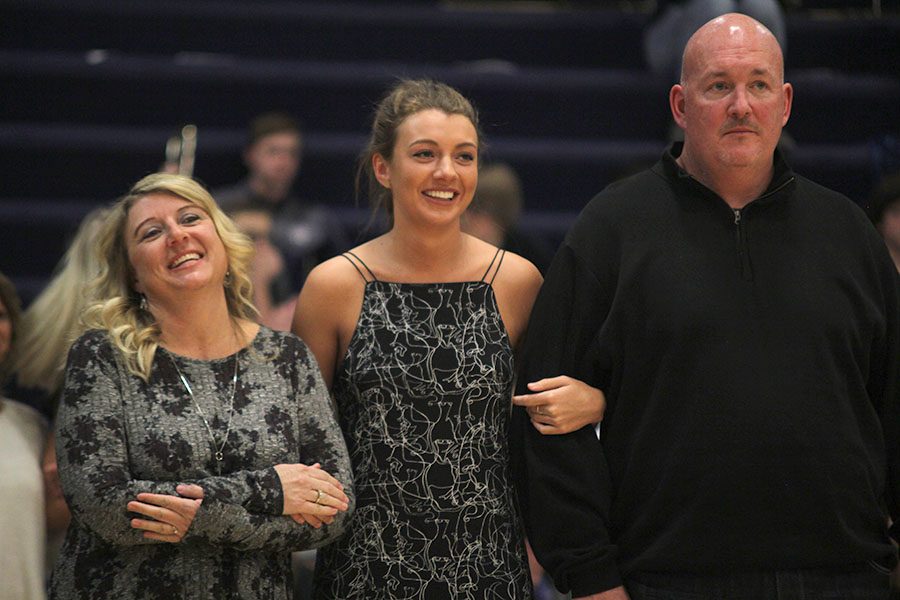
676	104
788	101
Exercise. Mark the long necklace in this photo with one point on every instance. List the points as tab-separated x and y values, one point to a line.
218	451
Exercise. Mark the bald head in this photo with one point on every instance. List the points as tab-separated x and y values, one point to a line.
732	103
730	32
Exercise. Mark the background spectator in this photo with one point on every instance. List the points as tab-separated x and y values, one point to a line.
305	233
22	433
884	210
494	215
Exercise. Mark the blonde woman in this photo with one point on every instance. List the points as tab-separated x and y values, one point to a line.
49	326
52	322
196	448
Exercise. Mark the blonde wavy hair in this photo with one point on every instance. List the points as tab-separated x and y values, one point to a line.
53	320
116	306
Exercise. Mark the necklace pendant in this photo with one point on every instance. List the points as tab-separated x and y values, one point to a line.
219	456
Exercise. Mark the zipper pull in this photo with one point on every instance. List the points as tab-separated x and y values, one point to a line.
737	216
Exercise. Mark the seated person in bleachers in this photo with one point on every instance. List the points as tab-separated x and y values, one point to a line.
305	234
273	295
47	330
884	210
52	320
22	434
676	20
493	215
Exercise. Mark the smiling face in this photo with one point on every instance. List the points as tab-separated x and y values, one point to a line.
433	171
732	101
173	246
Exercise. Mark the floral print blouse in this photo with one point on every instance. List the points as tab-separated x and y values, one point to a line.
118	436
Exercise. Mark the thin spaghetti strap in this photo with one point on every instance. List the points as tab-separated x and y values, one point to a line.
490	266
497	270
361	274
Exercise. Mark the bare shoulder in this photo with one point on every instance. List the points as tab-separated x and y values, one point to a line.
513	271
332	290
327	310
516	286
333	276
519	273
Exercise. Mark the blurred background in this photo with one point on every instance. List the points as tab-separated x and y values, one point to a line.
91	91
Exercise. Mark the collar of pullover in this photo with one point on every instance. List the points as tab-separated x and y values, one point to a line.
782	178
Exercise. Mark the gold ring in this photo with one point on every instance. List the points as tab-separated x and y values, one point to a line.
174	530
319	495
539	409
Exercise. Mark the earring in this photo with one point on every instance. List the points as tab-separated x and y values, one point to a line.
227	280
144	305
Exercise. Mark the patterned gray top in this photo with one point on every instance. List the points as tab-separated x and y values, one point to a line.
118	436
424	396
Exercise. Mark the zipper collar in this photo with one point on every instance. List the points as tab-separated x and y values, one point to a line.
783	179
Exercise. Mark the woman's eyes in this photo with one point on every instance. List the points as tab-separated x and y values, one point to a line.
185	219
149	233
462	156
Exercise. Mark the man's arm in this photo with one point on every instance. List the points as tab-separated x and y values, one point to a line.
884	389
563	481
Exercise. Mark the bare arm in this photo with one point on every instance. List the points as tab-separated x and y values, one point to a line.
327	309
618	593
56	510
516	287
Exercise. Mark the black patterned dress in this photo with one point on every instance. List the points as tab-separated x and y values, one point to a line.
424	398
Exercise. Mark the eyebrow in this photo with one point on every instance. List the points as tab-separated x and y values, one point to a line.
186	206
756	71
434	143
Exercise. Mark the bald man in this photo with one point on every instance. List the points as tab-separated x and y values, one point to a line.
743	324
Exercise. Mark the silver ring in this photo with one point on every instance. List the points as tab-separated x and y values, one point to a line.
319	495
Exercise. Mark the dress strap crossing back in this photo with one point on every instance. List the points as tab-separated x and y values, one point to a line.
353	261
499	254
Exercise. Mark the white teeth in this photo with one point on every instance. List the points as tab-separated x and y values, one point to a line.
183	259
441	195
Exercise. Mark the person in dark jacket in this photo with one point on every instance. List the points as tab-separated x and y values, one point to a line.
674	21
742	322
